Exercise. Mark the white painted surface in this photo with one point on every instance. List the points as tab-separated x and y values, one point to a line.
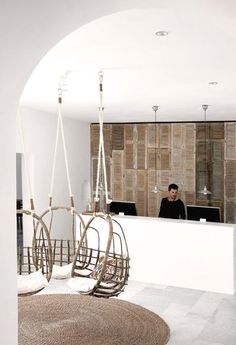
19	176
172	71
39	131
181	253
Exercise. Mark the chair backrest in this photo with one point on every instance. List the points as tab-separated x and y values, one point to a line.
39	255
103	255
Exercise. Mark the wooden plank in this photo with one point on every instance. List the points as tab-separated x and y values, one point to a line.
230	173
217	130
129	132
189	198
230	215
189	180
151	158
141	156
202	131
129	156
94	173
117	175
141	132
160	195
217	185
217	150
141	179
130	184
152	197
141	202
230	140
151	128
141	192
94	135
107	133
108	171
177	136
177	157
117	137
165	135
164	179
117	191
164	159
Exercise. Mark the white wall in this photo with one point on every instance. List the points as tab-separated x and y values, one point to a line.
39	132
188	254
28	29
18	176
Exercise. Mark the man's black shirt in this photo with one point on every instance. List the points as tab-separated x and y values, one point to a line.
172	209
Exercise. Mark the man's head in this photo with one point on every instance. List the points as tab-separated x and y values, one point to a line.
173	191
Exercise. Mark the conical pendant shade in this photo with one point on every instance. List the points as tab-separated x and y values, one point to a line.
204	191
156	189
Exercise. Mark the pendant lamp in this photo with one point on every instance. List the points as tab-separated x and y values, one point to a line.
155	189
205	190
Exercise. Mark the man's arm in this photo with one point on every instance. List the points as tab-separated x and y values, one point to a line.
162	209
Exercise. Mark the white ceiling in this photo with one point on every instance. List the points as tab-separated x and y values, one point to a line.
141	69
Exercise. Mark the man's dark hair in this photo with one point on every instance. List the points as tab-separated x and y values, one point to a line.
173	186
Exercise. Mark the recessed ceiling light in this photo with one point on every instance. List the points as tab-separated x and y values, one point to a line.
161	33
213	83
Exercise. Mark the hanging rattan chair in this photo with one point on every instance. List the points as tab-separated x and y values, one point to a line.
34	262
102	258
102	255
63	250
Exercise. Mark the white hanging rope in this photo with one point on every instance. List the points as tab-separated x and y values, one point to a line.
101	151
54	159
64	149
104	164
26	165
60	128
98	169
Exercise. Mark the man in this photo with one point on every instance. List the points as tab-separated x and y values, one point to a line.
172	207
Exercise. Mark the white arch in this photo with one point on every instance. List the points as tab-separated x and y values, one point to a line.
28	29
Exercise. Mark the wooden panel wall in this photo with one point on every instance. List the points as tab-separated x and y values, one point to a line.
230	172
210	141
180	150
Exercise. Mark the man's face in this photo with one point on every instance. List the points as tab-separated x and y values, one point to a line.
173	194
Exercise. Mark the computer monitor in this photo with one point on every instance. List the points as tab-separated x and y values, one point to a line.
209	213
126	207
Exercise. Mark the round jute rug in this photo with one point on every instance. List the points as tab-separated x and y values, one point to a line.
64	319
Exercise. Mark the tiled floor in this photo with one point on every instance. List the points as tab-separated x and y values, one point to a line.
194	317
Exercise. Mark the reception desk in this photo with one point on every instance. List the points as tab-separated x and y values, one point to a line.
181	253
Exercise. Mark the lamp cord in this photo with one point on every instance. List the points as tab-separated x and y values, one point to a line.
155	152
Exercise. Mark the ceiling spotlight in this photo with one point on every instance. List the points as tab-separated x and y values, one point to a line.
161	33
213	83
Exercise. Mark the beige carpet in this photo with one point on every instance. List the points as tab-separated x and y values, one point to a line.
63	319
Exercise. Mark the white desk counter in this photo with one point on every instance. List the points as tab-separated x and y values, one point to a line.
181	253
